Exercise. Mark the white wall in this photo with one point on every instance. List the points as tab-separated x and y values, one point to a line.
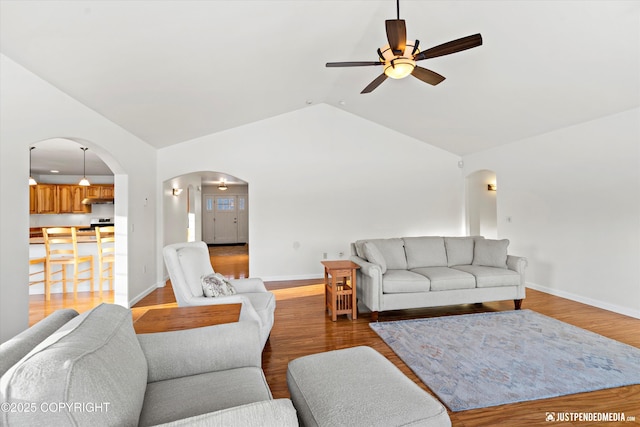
574	199
32	110
320	178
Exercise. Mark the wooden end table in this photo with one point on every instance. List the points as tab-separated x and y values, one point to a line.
179	318
340	291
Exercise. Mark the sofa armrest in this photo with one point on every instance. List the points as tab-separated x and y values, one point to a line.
517	264
369	285
267	413
194	351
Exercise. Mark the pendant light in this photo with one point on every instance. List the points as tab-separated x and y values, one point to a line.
31	180
84	181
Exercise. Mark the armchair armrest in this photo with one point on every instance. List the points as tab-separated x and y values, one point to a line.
194	351
247	312
252	284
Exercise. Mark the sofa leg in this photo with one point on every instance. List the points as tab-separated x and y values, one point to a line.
517	303
374	316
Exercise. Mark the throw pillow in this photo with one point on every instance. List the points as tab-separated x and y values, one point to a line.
216	285
490	253
374	256
459	250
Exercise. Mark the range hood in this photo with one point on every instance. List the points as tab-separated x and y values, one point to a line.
97	201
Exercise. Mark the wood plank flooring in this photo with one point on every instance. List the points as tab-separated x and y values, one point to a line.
302	327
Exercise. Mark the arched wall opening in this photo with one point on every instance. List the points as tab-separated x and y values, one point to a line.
118	212
190	201
481	204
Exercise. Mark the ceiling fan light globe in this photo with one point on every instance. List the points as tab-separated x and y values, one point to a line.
399	68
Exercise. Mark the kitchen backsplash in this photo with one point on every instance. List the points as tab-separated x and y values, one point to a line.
97	211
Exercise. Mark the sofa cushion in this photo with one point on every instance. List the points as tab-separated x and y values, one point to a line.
178	398
489	277
94	358
425	252
266	413
17	347
392	251
194	263
490	253
374	256
459	250
445	278
401	281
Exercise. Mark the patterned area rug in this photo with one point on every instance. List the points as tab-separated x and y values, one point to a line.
488	359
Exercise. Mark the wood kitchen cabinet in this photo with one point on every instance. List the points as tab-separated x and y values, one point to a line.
70	199
65	198
46	199
32	199
100	191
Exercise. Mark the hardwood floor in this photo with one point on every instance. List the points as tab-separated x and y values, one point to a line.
302	327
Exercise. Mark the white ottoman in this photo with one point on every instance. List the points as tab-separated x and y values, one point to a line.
359	387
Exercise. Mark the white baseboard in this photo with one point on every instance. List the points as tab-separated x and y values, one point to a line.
146	292
585	300
299	277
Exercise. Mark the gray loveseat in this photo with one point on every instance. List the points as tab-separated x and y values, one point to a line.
430	271
93	370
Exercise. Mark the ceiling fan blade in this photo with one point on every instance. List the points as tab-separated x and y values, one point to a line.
451	47
396	35
427	76
353	63
374	84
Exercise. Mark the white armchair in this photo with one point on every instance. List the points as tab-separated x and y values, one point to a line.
188	262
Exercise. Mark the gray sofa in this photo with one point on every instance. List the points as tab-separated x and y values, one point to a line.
93	370
430	271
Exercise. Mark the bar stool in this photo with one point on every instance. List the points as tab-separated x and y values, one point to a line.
42	279
61	246
105	237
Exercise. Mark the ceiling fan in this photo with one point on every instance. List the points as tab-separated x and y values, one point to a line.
399	56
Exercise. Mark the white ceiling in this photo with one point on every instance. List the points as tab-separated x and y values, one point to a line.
170	71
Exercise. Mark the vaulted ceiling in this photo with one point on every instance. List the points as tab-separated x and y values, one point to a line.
170	71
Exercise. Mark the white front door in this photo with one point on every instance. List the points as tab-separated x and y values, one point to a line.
225	228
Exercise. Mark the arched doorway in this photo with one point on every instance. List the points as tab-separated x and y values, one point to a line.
481	204
196	206
60	163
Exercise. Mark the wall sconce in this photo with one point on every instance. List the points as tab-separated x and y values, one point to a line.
177	191
222	186
492	187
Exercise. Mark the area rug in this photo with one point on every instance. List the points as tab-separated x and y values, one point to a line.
489	359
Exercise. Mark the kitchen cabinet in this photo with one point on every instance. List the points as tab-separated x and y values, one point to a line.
46	198
70	199
65	198
104	191
32	199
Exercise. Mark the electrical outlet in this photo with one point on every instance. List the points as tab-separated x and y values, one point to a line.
341	254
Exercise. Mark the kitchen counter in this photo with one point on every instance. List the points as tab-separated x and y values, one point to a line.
83	237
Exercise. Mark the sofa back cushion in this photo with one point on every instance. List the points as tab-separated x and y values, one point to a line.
490	253
425	251
374	256
94	363
459	250
392	250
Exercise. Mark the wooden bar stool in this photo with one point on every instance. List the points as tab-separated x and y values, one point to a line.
42	273
105	238
61	246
